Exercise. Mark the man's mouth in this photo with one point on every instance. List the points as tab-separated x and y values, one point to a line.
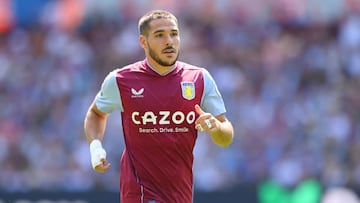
169	51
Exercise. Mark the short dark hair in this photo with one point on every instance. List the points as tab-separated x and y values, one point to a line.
144	22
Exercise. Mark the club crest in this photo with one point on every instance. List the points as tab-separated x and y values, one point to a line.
188	90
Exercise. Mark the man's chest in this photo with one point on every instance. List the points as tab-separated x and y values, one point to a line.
167	93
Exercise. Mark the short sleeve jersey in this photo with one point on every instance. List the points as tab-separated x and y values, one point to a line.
158	118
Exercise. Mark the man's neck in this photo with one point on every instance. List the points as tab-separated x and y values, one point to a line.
161	70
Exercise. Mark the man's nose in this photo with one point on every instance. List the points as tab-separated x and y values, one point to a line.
169	41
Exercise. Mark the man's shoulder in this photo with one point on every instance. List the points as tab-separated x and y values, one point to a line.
134	67
187	66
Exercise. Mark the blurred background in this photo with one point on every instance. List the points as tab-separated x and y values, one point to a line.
289	72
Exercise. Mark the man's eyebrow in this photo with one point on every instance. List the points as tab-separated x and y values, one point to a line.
159	31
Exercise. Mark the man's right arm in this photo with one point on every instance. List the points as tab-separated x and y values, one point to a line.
95	123
94	127
106	101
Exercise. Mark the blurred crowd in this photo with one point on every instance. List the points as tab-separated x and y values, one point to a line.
289	72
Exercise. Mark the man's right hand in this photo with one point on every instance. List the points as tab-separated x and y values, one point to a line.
103	166
98	157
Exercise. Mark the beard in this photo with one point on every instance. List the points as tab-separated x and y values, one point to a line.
161	62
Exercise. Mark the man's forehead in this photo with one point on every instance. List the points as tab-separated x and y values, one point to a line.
163	24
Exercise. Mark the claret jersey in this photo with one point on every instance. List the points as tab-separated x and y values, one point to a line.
158	119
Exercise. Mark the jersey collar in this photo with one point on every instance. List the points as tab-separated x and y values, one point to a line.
171	71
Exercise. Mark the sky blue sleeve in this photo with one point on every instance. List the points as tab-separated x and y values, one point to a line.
108	98
212	100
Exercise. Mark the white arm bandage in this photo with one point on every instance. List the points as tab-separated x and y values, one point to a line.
97	153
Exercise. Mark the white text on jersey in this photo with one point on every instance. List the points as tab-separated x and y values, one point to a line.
162	117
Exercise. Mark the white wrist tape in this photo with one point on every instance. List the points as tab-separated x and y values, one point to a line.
97	153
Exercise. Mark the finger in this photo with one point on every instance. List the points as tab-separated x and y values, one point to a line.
198	110
199	127
208	123
104	162
103	167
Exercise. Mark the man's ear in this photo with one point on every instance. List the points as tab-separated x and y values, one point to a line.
142	41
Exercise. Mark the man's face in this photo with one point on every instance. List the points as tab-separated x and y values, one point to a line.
163	42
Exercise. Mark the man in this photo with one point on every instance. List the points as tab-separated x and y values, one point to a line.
163	103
